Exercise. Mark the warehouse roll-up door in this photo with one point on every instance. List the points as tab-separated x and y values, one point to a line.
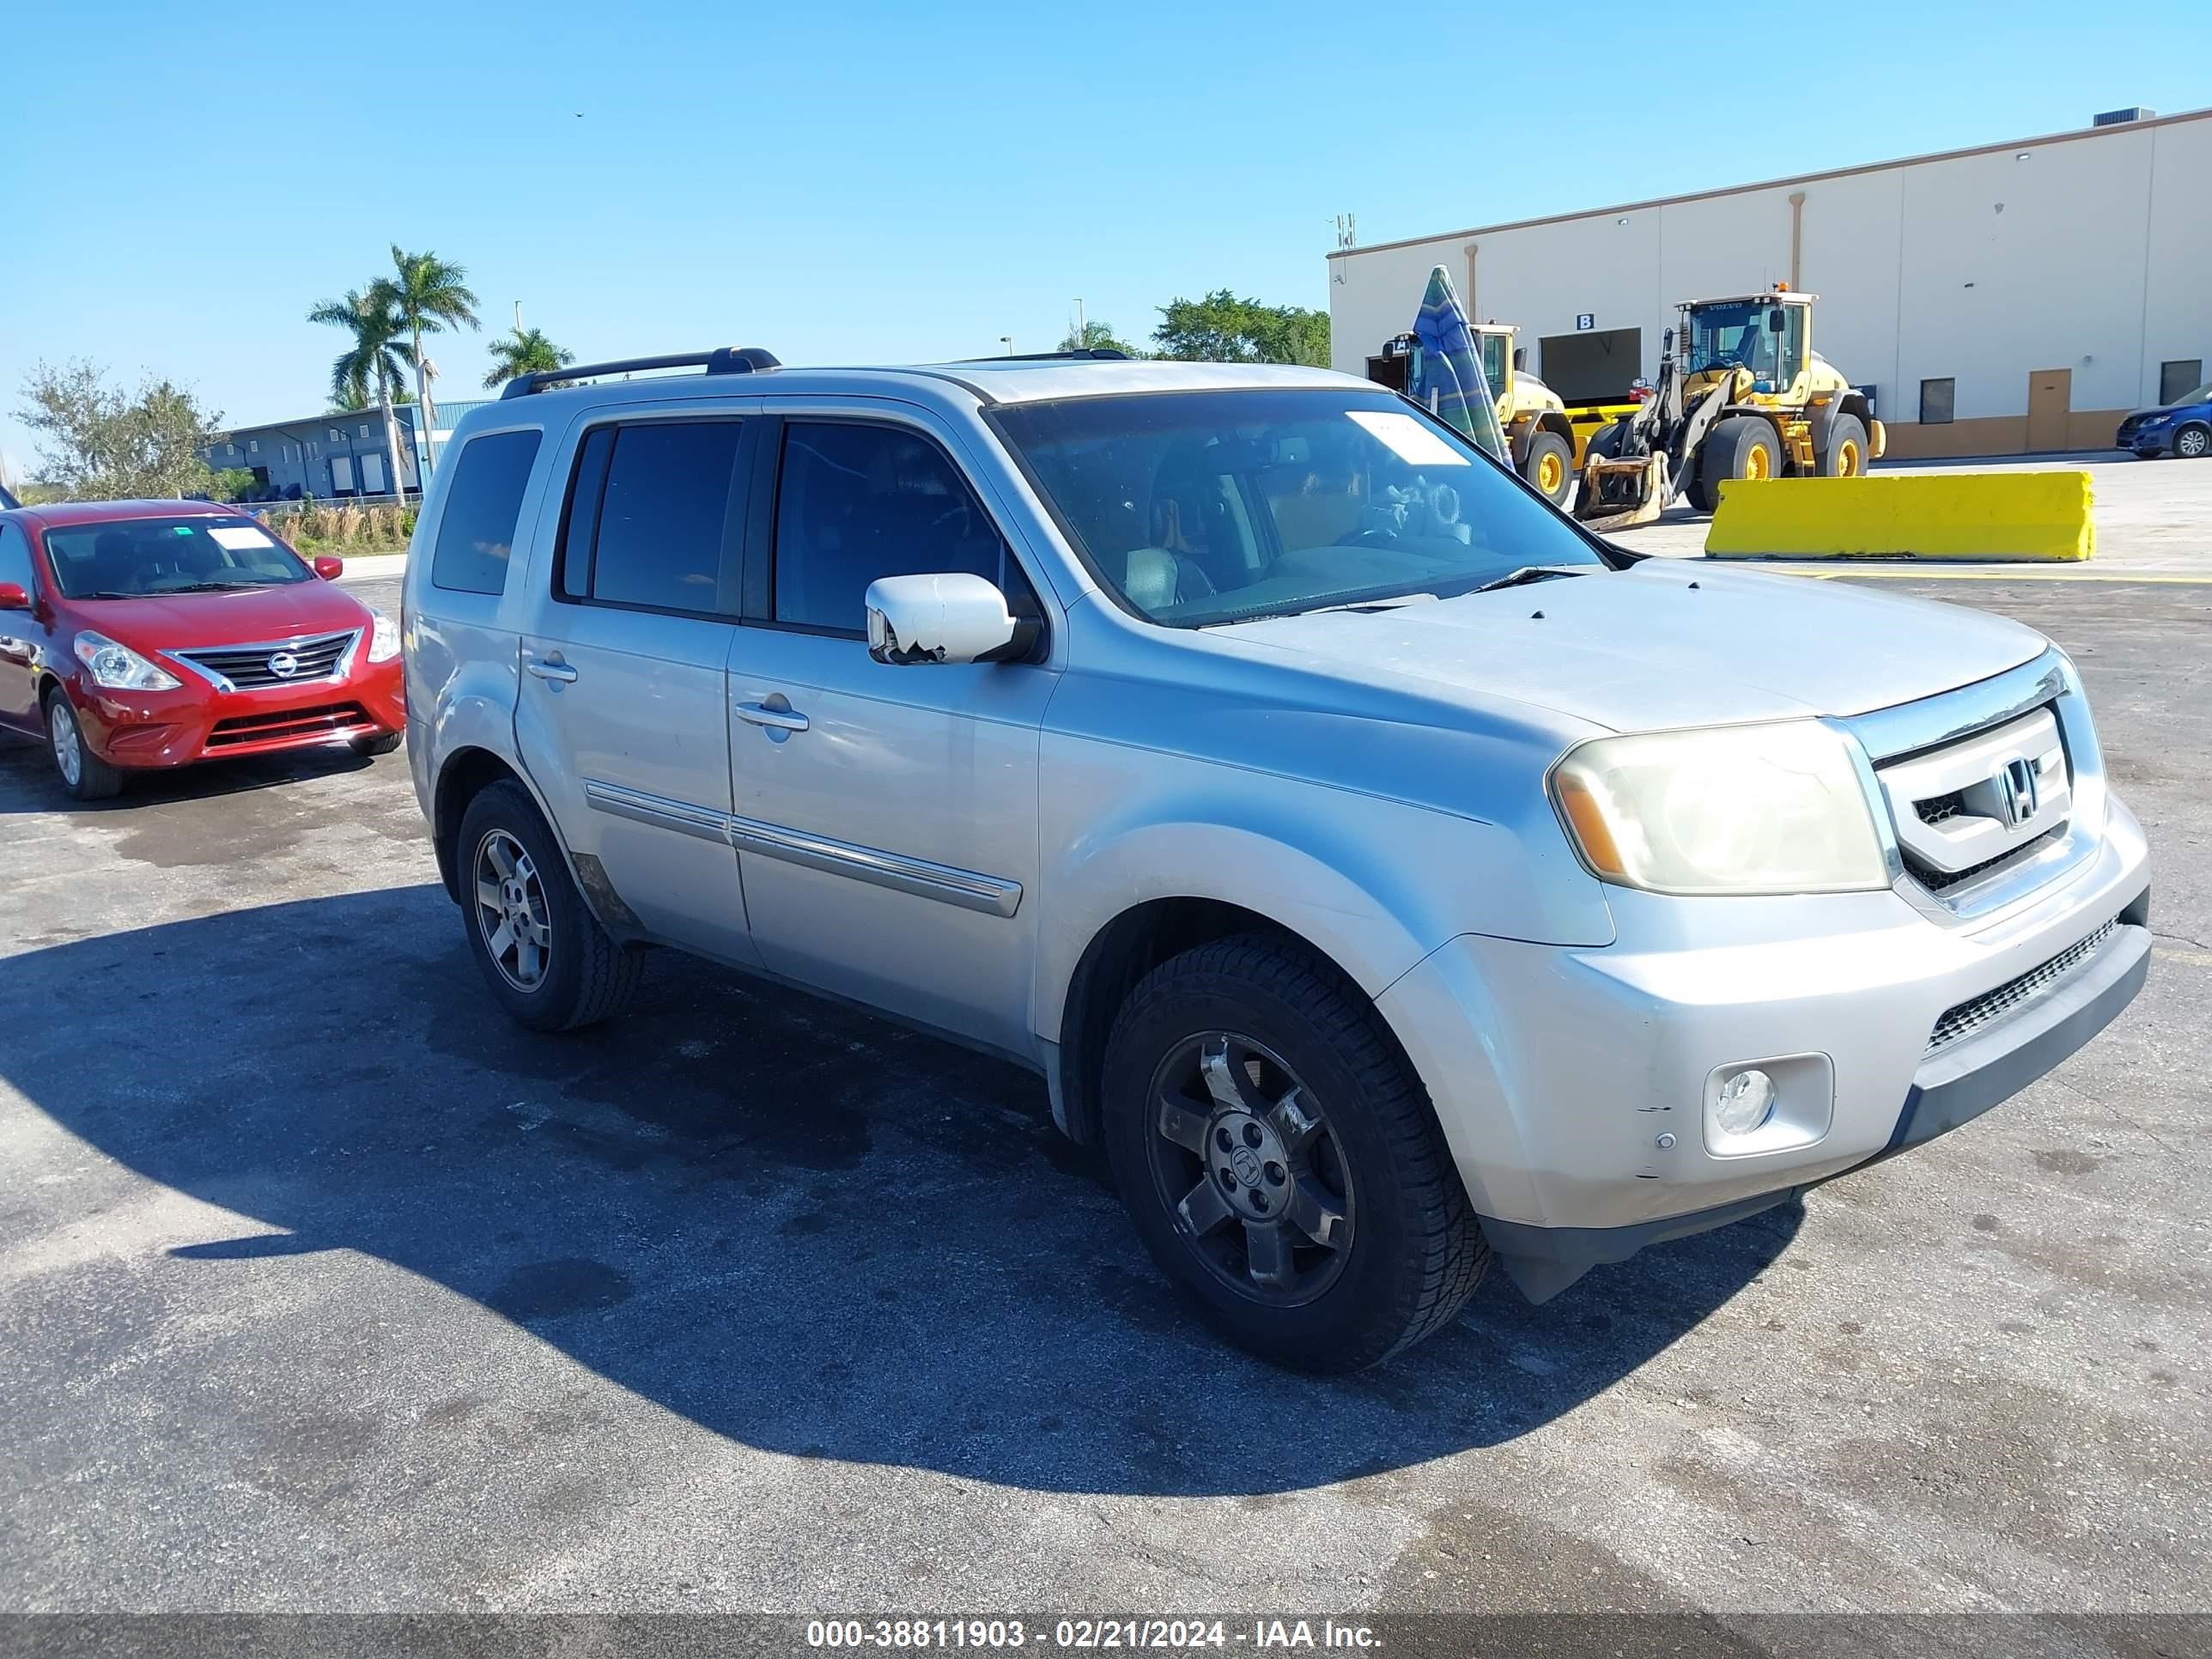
372	475
341	475
1593	366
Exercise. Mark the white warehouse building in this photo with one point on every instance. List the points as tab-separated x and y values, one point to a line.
2005	299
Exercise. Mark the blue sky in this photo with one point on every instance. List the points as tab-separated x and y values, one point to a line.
852	181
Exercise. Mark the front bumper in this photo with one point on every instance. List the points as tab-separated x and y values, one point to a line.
194	722
1573	1084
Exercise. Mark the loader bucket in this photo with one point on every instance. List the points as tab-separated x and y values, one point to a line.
1620	495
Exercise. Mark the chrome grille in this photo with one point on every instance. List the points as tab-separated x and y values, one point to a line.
1968	807
1963	1021
251	667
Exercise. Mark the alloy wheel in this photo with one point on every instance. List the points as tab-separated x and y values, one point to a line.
2191	444
68	749
511	911
1243	1154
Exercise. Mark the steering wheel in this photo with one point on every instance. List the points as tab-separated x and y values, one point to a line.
1373	536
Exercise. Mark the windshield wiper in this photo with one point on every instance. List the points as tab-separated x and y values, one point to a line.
1527	573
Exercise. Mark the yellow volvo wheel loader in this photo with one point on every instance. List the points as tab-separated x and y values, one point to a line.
1748	398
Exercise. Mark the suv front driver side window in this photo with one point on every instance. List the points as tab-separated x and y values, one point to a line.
857	502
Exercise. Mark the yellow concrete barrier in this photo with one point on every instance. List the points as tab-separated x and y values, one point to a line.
1921	515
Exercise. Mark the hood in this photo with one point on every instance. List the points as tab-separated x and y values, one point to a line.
1667	643
2160	409
249	616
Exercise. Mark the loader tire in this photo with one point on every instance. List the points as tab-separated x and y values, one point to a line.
1844	455
1740	447
1550	466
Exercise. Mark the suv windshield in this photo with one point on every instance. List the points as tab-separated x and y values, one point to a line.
1213	506
124	558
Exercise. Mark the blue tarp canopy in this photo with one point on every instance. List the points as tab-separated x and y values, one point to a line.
1446	375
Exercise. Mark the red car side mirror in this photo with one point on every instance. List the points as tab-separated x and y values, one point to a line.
329	566
13	598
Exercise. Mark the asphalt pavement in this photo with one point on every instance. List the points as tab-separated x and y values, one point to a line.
322	1287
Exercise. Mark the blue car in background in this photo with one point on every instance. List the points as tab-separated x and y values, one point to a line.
2182	427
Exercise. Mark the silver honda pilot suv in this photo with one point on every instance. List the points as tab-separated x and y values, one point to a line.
1389	876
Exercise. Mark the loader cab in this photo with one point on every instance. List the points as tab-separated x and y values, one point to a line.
1768	337
1497	363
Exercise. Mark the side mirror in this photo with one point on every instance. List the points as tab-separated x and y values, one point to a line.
1775	322
1520	359
955	617
13	598
329	566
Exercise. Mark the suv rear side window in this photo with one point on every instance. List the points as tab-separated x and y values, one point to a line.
475	537
857	502
653	516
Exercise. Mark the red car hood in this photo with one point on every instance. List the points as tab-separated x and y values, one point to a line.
249	616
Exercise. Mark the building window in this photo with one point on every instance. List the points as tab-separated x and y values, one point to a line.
364	432
2178	379
1936	398
336	436
254	445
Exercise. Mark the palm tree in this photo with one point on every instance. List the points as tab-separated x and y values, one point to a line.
528	353
430	294
376	361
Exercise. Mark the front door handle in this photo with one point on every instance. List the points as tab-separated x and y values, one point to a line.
780	720
553	669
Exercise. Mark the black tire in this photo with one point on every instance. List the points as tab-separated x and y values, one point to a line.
1545	446
584	975
1844	454
1729	452
383	743
1371	1155
2192	442
1694	492
94	778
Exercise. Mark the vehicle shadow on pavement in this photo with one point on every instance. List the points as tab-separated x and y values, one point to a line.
34	787
793	1224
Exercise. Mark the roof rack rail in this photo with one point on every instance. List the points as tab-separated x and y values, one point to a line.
1097	353
723	360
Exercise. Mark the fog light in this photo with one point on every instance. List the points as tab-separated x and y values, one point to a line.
1745	1101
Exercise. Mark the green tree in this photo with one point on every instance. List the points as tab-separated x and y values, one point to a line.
1222	328
230	484
1096	336
527	352
375	361
430	294
100	442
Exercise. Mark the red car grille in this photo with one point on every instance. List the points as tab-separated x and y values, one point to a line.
328	720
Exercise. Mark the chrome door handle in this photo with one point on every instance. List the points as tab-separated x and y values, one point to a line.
553	669
780	720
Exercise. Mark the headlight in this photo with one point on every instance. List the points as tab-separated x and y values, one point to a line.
119	668
1740	810
2155	420
384	643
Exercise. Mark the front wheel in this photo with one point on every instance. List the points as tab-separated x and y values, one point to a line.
1281	1161
83	774
2193	443
382	743
539	946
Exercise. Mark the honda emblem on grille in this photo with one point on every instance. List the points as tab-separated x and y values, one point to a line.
284	664
2016	792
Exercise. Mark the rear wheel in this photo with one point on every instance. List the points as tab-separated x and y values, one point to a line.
1845	454
539	946
1281	1161
1740	447
382	743
2193	443
83	774
1549	465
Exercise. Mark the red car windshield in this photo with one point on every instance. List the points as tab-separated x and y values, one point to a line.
134	558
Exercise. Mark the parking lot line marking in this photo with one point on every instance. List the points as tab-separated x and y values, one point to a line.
2025	572
2194	958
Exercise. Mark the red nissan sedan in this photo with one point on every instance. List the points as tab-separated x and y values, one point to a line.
137	634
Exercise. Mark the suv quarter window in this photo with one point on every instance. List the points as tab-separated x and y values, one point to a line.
654	516
859	499
476	533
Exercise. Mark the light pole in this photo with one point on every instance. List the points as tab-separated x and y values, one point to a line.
1007	340
1082	328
